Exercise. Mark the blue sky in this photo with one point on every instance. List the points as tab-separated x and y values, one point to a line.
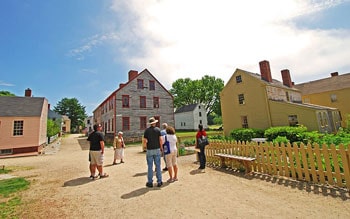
85	48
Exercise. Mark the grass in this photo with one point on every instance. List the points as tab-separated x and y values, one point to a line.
9	194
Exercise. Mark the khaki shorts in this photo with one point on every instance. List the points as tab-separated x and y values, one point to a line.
96	158
171	159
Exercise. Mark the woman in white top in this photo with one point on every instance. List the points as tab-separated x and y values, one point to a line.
118	146
171	159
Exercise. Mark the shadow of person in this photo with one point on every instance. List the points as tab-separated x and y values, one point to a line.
135	193
197	171
143	191
77	182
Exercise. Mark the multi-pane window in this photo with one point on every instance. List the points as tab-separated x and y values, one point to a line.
142	101
125	101
6	151
293	120
126	123
143	122
18	128
155	102
244	121
238	79
139	83
241	98
152	85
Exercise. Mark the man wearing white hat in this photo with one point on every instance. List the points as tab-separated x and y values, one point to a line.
154	142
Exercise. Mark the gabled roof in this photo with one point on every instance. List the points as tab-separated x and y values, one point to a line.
21	106
53	115
308	105
187	108
128	82
274	82
327	84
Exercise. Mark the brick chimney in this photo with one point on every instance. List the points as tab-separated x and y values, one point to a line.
334	74
286	78
121	85
265	71
28	92
132	74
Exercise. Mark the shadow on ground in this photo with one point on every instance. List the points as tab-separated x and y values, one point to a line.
142	191
325	190
77	182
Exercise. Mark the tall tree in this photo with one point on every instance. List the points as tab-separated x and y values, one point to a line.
73	109
6	93
206	91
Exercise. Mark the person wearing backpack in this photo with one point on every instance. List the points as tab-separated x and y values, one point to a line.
171	156
200	136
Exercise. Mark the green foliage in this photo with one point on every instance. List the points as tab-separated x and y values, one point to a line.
6	93
8	209
4	171
242	134
12	185
189	142
53	127
280	139
293	134
73	109
206	91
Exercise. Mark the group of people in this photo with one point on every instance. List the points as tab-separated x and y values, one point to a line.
154	139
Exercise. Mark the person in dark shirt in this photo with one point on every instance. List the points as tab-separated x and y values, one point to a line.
201	154
96	153
154	142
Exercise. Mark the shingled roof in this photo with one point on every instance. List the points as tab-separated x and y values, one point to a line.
187	108
337	82
21	106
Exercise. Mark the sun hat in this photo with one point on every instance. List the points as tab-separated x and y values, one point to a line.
152	120
97	126
120	133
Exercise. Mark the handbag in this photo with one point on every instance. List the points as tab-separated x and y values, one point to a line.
203	141
166	146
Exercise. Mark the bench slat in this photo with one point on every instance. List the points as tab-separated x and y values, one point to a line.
236	157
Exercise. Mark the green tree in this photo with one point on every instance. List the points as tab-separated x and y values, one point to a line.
206	91
53	127
6	93
73	109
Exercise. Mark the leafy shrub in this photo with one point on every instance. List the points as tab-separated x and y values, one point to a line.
189	142
246	134
280	139
293	134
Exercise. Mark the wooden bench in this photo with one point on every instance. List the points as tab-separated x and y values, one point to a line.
246	161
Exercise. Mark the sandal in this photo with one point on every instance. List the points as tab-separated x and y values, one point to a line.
104	175
170	180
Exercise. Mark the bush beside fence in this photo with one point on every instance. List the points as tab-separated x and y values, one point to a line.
311	163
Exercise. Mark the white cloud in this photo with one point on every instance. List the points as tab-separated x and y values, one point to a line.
191	38
91	43
2	83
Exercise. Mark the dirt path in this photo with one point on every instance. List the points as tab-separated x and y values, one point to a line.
61	188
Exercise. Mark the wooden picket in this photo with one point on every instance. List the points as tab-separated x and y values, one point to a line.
311	163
